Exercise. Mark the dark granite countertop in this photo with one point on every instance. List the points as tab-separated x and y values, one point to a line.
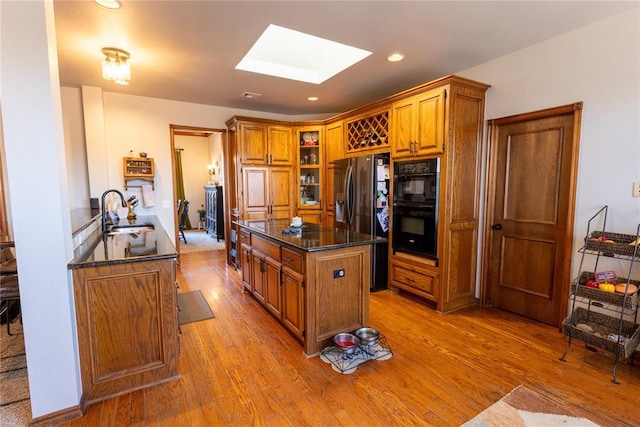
311	237
145	245
80	218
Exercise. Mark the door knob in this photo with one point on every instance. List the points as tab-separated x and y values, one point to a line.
496	226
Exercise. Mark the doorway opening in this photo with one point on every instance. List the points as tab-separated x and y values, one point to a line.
197	162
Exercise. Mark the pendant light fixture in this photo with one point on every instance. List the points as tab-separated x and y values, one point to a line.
115	65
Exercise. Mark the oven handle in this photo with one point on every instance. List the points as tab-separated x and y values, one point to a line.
348	192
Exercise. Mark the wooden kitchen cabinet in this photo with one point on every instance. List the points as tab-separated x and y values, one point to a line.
266	281
334	150
272	273
127	326
414	277
267	192
293	302
456	123
310	301
262	168
245	260
418	124
262	143
310	142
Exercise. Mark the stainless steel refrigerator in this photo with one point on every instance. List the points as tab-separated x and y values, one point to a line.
361	190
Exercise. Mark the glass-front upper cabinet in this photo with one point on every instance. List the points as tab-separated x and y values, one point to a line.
310	153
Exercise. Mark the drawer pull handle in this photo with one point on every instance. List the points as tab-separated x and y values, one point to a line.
287	259
410	280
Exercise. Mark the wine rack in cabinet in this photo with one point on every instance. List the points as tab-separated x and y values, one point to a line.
368	133
604	303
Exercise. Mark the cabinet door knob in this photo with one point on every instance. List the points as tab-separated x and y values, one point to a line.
496	226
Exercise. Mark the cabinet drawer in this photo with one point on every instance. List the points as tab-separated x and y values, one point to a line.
404	275
267	247
292	260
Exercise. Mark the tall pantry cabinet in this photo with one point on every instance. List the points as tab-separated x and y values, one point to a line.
443	119
264	168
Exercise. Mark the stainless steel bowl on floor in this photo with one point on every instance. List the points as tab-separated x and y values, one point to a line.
368	336
347	342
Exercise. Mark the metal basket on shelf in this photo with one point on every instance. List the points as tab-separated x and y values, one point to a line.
603	326
621	243
606	297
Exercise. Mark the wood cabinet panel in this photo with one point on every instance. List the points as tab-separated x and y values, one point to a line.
409	276
418	124
280	192
245	262
338	302
313	216
293	301
265	246
267	192
280	145
259	287
402	127
273	287
293	260
124	294
253	144
255	192
460	267
127	326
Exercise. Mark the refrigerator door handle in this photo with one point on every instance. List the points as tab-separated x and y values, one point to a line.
349	194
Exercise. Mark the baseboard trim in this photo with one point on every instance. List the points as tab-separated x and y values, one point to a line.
58	417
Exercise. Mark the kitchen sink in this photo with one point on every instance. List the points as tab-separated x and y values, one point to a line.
130	228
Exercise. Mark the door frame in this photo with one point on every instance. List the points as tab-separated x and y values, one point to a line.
187	131
494	125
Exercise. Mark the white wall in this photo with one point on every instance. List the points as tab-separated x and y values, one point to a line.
142	124
195	159
76	151
37	180
599	65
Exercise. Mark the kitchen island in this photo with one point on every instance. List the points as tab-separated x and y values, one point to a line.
124	287
314	280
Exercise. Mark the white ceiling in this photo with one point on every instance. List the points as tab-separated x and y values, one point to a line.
188	50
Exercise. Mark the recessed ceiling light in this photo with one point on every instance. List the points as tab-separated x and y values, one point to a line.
395	57
312	98
290	54
110	4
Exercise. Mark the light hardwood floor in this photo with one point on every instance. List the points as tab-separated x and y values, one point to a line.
242	368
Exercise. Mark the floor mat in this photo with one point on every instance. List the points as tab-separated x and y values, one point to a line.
193	307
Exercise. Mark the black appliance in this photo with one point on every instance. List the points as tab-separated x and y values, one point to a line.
361	190
415	207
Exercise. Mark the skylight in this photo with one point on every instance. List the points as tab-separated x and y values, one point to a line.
290	54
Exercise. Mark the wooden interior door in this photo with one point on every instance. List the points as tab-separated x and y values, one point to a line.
530	208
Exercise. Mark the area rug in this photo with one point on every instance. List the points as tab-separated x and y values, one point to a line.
525	407
15	404
193	307
199	241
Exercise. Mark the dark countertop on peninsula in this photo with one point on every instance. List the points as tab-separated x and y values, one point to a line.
312	237
81	217
99	249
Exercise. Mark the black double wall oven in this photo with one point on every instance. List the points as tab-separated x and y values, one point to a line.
415	207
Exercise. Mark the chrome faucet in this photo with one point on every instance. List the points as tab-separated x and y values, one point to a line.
104	210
